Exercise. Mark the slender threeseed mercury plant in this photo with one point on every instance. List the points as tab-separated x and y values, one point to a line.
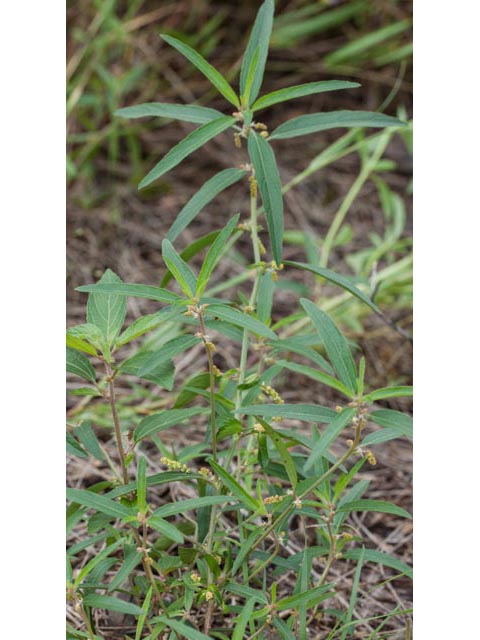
205	566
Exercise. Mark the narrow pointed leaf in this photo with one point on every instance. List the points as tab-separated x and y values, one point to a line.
189	505
283	452
250	77
191	251
186	112
240	319
80	365
132	559
80	345
301	90
213	255
166	528
390	418
179	269
336	346
310	598
304	125
87	437
165	353
324	378
204	195
164	420
142	485
183	630
111	604
188	145
134	290
99	503
205	67
379	506
107	310
268	178
304	412
336	278
237	490
371	555
331	433
259	40
390	392
142	619
243	619
140	326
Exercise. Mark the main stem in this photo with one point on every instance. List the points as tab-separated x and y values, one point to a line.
116	422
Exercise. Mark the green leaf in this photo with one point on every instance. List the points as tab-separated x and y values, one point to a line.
266	288
205	67
80	345
87	437
165	528
310	598
231	484
285	456
304	412
134	290
132	559
290	93
243	619
324	378
257	44
164	420
107	311
185	147
353	596
250	77
337	279
96	561
334	429
389	418
214	254
370	555
140	326
99	503
142	485
336	346
311	123
80	365
111	604
190	504
142	619
185	112
296	345
179	269
379	506
183	630
192	250
165	354
162	375
266	173
390	392
73	447
204	195
240	319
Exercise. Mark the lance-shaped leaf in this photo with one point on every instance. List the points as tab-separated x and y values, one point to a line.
111	604
268	178
390	392
166	529
191	251
371	555
186	112
257	47
164	420
336	346
290	93
99	503
205	67
134	290
243	619
380	506
183	630
80	365
336	278
334	429
189	504
107	310
304	125
165	353
188	145
144	324
395	423
179	269
305	412
324	378
238	491
132	559
213	255
240	319
204	195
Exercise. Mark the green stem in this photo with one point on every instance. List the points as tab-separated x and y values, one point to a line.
211	372
353	192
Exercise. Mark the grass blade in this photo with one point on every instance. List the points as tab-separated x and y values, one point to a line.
268	178
185	147
205	67
204	195
301	90
304	125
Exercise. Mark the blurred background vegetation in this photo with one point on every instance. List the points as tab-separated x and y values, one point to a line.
116	58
